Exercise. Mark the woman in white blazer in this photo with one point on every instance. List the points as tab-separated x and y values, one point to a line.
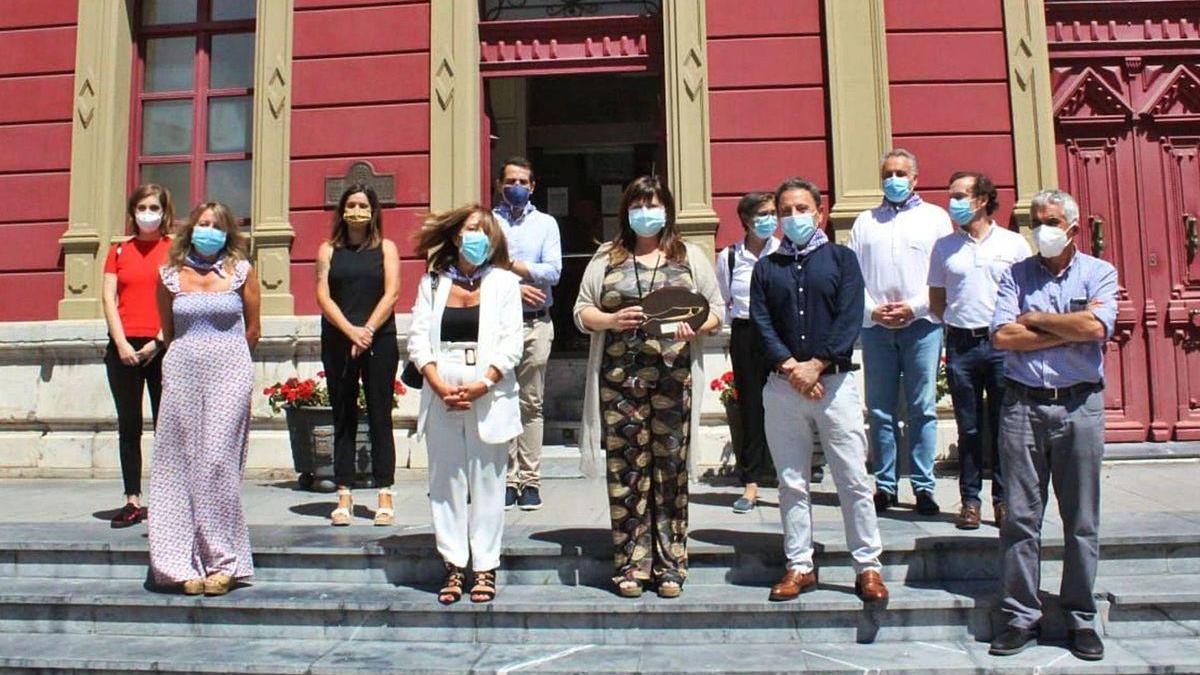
466	338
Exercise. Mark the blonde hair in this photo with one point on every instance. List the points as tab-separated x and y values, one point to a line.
435	241
235	242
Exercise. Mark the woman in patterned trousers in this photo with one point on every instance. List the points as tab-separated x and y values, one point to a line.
638	393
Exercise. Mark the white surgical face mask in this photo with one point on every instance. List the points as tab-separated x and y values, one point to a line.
148	221
1051	240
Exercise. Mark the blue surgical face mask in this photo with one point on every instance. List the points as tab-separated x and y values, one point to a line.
897	188
764	226
799	228
476	247
961	210
208	241
647	221
516	195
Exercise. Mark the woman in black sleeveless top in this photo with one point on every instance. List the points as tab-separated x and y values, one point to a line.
358	281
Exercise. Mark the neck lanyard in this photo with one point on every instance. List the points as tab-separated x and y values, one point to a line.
638	277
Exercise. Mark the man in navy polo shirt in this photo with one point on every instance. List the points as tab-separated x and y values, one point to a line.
806	301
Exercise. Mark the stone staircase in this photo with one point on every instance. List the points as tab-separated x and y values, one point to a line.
74	597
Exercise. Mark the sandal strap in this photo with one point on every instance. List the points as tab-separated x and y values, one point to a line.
385	511
344	491
340	511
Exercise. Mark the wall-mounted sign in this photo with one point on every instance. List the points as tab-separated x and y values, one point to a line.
362	172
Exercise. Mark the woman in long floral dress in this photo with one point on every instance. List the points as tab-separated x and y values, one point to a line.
209	302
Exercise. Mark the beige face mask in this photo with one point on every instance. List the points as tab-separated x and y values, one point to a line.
357	216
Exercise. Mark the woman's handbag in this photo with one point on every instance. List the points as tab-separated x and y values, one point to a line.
411	377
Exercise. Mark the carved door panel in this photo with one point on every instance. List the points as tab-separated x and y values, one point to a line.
1099	173
1180	160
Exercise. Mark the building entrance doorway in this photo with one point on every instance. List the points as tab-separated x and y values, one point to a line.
588	136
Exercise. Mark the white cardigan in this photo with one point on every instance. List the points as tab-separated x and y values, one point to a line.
501	342
590	289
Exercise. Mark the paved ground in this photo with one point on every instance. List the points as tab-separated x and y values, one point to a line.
1127	487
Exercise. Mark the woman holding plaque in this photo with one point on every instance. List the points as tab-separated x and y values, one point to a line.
638	396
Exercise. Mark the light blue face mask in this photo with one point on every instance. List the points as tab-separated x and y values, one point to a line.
897	188
476	247
799	228
961	211
208	241
764	226
647	221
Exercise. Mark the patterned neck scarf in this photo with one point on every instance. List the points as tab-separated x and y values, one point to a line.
473	278
203	266
788	247
913	200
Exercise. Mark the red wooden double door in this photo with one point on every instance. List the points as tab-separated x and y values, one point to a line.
1128	126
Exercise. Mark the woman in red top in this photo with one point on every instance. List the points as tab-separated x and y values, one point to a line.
134	354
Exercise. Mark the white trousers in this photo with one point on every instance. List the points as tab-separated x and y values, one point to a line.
838	417
461	466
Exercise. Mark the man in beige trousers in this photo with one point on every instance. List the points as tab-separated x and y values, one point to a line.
536	251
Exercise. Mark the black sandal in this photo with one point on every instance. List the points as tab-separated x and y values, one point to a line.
484	589
452	589
629	586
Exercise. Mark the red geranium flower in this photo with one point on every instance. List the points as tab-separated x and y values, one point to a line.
320	373
727	377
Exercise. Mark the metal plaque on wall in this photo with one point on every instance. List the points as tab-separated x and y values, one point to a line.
362	172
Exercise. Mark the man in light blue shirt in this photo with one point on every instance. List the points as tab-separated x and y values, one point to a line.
1054	312
536	252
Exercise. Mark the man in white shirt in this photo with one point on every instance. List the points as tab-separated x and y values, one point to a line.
901	340
964	278
535	247
756	211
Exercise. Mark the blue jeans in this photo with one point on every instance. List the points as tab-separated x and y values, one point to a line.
973	366
904	356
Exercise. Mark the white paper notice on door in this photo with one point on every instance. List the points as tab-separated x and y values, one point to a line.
557	201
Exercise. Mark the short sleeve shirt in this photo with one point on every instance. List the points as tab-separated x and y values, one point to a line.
136	264
970	271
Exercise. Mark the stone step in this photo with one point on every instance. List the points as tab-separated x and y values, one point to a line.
704	614
560	461
102	653
914	551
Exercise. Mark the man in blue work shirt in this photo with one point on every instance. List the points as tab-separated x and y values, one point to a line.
536	252
806	301
1053	315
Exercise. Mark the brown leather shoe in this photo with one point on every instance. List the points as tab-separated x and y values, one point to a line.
869	586
793	583
1001	513
968	517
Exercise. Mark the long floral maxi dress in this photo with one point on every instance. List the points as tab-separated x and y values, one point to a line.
196	522
645	407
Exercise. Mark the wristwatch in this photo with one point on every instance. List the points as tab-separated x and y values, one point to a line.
159	345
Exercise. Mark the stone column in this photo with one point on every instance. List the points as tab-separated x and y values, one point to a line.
689	161
454	110
859	107
272	230
1031	103
99	145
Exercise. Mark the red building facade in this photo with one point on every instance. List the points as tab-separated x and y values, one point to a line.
722	96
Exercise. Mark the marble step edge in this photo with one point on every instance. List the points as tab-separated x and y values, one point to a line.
99	653
529	540
519	599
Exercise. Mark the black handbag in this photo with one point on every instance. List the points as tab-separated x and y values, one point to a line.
411	377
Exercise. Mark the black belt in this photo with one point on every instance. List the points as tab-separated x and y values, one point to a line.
972	332
537	314
1052	394
831	369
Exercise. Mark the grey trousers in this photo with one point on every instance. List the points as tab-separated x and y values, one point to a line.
525	451
1063	443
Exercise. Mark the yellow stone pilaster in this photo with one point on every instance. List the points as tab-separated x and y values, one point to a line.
454	109
689	160
859	107
1030	98
269	198
99	143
